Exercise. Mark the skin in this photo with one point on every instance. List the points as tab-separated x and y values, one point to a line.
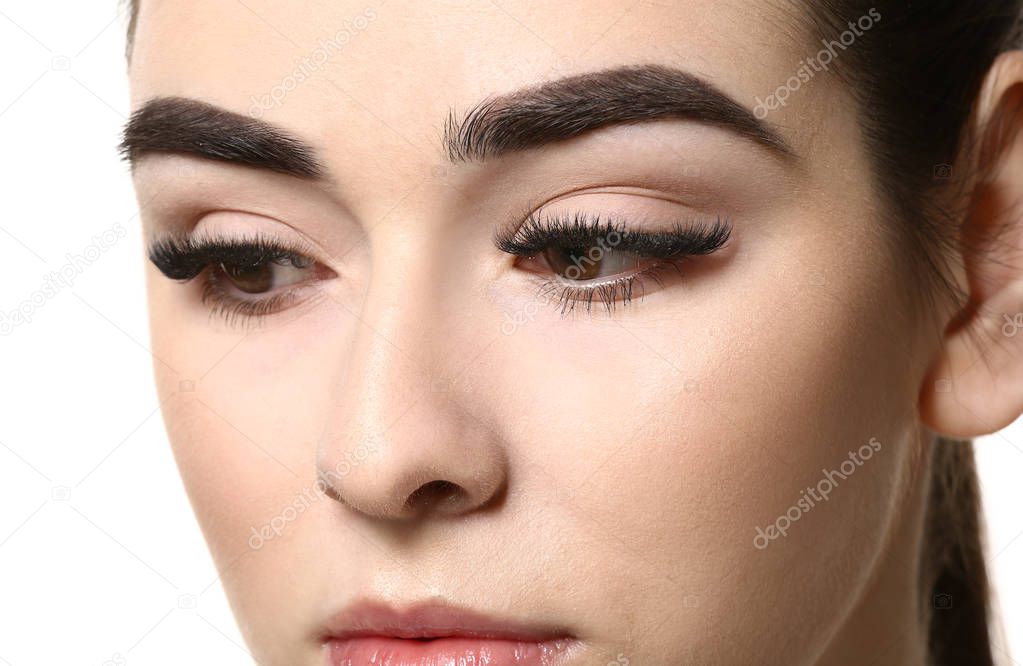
612	471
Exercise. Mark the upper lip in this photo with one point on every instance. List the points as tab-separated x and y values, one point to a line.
431	620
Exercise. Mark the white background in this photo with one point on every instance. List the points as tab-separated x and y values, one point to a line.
100	559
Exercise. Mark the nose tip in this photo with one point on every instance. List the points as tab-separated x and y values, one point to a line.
434	460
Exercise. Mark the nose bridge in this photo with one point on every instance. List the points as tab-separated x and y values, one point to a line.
397	351
400	440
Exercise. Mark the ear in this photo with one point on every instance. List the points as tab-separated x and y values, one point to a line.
974	385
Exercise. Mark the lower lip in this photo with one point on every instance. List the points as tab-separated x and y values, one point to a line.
452	651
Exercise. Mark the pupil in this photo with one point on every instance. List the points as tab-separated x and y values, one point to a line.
252	279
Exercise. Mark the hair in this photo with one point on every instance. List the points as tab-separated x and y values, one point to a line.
915	75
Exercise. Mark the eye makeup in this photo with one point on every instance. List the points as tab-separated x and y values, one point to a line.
586	258
580	258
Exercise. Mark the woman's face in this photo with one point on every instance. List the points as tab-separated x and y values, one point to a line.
406	413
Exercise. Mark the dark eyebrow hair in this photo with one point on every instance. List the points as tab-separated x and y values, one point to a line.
565	108
528	118
182	125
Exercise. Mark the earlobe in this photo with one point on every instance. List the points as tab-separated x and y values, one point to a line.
975	384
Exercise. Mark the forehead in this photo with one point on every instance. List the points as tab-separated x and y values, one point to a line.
381	77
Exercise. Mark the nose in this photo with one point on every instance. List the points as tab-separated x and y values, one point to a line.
405	440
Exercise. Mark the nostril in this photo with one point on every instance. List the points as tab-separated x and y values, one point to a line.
433	494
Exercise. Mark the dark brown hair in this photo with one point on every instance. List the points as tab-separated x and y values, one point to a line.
915	75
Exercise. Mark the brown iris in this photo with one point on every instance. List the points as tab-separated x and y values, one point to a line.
590	263
252	278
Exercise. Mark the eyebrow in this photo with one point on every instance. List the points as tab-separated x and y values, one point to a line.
183	125
528	118
565	108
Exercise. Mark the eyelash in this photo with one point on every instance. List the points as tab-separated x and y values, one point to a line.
186	258
668	249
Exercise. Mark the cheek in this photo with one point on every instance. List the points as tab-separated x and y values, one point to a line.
243	413
243	435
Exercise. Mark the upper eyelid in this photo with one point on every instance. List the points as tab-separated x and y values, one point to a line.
184	226
183	257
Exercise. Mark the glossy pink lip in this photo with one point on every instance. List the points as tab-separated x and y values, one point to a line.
438	635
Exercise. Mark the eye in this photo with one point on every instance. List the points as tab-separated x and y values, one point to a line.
242	278
587	259
269	274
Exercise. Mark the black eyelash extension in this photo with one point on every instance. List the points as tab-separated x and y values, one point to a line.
184	258
582	230
668	248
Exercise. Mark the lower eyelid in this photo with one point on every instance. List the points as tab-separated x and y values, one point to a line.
250	312
612	292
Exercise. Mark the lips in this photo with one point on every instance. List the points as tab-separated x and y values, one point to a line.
439	635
